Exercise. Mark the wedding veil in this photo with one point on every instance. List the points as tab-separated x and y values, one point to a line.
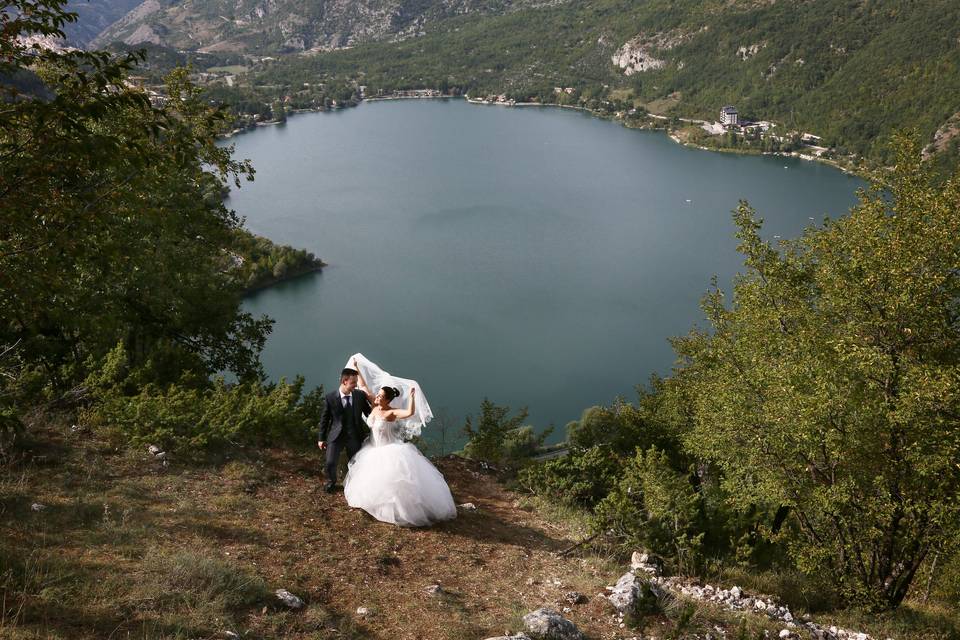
376	378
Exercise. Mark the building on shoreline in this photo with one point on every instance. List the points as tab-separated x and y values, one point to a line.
729	116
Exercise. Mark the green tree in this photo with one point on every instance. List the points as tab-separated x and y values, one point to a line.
655	507
113	226
831	386
499	438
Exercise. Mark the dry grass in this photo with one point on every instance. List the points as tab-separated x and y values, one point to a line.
662	105
129	548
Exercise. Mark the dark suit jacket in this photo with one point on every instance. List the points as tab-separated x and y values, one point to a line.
331	424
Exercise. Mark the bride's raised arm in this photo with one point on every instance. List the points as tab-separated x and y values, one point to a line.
362	383
399	414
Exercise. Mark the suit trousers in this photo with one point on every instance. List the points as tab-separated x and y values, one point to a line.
343	441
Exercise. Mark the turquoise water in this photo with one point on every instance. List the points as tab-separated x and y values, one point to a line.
539	257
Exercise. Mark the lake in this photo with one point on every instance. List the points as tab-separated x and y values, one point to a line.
540	257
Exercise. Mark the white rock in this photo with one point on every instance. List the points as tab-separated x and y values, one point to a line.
36	506
435	590
363	611
785	633
468	506
289	599
736	592
154	449
625	593
547	624
642	561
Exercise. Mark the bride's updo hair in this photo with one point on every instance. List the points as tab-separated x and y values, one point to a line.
390	392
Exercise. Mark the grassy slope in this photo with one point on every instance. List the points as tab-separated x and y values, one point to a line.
127	547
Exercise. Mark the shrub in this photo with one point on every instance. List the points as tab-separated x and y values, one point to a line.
194	413
20	385
830	384
655	507
619	427
501	439
582	478
183	419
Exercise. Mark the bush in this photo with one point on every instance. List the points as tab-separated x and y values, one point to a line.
581	479
603	443
20	385
501	439
945	581
195	413
655	507
620	427
182	418
830	385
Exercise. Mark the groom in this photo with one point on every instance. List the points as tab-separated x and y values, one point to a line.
342	423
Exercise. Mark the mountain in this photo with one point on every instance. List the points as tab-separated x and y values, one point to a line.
851	71
93	16
272	27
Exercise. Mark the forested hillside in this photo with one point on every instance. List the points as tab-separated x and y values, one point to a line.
851	72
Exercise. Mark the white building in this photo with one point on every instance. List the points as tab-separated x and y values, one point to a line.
729	116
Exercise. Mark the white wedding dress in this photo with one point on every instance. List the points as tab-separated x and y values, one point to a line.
392	481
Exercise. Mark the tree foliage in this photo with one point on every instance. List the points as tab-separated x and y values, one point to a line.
113	227
814	423
831	383
500	439
118	278
260	262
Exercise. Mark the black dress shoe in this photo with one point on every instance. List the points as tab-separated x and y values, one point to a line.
330	488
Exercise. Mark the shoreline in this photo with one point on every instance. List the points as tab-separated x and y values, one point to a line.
865	173
385	98
266	284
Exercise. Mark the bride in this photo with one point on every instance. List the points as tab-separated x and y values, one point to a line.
389	478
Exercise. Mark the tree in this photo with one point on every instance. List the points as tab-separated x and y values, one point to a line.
831	385
499	438
113	226
655	507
